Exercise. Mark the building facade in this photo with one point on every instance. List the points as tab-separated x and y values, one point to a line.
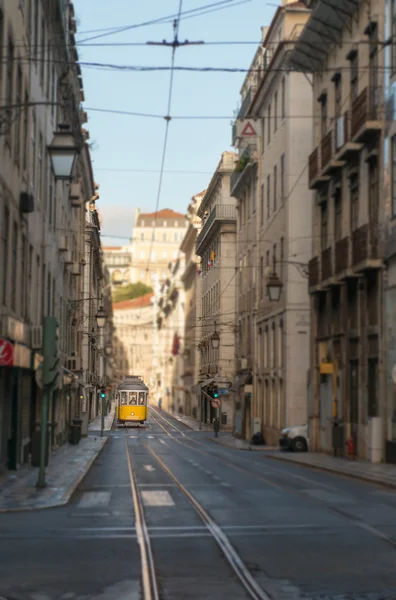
133	322
155	243
42	223
346	273
216	245
192	284
118	260
273	137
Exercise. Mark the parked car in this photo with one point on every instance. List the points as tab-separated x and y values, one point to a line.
294	438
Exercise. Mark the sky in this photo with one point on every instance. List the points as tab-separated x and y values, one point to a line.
127	150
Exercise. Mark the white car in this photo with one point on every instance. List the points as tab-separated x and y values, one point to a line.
294	438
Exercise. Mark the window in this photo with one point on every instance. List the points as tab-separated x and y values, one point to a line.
262	277
142	237
25	131
275	187
274	257
142	223
337	95
50	190
262	135
338	214
40	167
14	266
393	168
18	102
354	74
29	283
164	254
262	208
153	255
323	226
9	83
276	111
36	29
254	196
24	295
4	254
1	51
34	147
43	288
282	256
267	258
323	115
48	294
268	196
53	297
164	237
283	99
354	198
269	123
42	57
282	178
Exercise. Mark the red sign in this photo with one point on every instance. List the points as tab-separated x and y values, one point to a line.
215	403
6	353
249	131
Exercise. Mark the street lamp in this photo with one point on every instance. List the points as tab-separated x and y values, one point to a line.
63	151
215	339
274	287
101	317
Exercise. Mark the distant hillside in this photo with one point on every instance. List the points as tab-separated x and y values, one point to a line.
131	291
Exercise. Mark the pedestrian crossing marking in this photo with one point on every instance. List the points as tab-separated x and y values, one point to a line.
157	498
95	500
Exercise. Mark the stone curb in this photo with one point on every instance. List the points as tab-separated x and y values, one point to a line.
66	495
334	471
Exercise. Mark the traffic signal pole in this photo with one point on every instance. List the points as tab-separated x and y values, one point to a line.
103	398
50	374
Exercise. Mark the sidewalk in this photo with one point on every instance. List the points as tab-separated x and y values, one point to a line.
384	474
108	422
192	423
67	467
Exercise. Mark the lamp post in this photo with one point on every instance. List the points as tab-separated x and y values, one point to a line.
101	317
274	287
63	151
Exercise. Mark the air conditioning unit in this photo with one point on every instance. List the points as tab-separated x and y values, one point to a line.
63	243
75	191
36	337
76	269
69	258
73	363
84	116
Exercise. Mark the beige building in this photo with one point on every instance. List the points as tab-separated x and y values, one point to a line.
346	273
273	137
118	260
216	245
193	298
155	243
42	223
134	324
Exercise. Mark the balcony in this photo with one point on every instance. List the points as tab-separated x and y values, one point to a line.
316	179
327	264
247	159
344	147
366	121
222	213
313	272
341	255
365	249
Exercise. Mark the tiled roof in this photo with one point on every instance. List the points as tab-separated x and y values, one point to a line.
165	213
135	303
111	248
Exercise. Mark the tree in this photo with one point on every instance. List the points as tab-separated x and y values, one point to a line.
131	291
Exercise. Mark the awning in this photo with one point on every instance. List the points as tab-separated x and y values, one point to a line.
322	31
245	378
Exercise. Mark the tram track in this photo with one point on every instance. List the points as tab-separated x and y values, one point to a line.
150	586
346	516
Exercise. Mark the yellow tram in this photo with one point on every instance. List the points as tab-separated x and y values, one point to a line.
132	401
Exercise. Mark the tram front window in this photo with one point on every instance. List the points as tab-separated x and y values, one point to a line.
123	398
132	398
141	399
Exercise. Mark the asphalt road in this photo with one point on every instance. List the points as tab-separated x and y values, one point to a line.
166	513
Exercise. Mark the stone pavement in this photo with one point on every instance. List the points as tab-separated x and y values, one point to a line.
384	474
192	423
108	422
67	467
228	440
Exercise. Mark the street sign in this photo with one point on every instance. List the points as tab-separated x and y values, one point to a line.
215	403
248	131
38	376
223	392
6	353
